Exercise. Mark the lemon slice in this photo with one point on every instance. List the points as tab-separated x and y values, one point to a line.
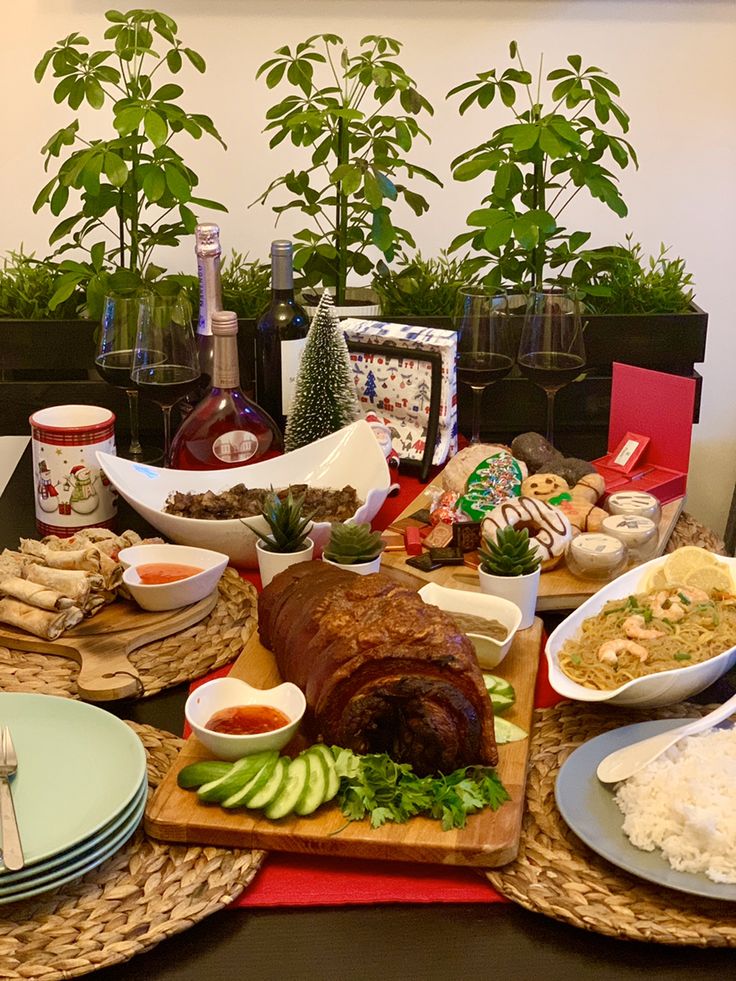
685	561
655	580
711	577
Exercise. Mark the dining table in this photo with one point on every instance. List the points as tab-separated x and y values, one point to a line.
333	918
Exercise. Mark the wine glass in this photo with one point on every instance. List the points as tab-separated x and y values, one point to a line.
165	357
551	350
485	352
114	360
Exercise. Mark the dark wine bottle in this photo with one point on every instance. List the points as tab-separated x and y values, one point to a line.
226	429
280	337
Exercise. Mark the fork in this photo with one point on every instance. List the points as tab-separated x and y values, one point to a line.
12	848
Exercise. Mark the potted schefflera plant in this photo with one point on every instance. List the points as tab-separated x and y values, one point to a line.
289	541
510	568
354	547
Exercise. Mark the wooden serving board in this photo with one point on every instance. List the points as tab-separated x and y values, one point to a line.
489	839
102	643
558	588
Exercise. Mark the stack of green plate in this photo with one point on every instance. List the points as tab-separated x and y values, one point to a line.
79	793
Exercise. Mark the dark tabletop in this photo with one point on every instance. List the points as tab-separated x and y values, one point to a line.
370	942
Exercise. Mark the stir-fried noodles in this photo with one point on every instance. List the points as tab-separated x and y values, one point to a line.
647	633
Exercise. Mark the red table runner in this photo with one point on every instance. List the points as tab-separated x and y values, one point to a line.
310	880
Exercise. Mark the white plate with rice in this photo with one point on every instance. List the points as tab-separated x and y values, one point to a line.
590	810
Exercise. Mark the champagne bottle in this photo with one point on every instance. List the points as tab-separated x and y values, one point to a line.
225	429
208	252
280	337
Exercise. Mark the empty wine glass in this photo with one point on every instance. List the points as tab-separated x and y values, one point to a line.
551	350
114	360
165	357
485	352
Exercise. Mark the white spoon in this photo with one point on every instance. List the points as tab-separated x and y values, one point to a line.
625	762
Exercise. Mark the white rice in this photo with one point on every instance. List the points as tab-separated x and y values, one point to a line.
685	804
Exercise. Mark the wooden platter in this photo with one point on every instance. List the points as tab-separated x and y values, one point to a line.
490	839
558	589
101	644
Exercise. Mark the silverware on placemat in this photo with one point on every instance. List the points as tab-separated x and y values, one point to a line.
12	848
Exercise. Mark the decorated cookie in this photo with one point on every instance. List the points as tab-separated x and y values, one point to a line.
495	479
456	474
549	528
543	486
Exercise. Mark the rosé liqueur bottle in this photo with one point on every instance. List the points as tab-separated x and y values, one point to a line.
280	337
208	251
225	429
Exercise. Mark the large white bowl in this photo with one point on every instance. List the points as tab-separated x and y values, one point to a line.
663	688
350	456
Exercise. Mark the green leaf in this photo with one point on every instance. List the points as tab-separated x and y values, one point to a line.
348	176
128	119
64	227
372	190
499	233
382	231
173	61
483	217
471	169
43	64
549	143
196	59
168	92
177	182
275	75
154	183
188	218
524	136
155	127
576	61
115	169
388	188
59	199
94	92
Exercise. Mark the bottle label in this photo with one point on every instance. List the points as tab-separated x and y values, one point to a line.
291	356
237	446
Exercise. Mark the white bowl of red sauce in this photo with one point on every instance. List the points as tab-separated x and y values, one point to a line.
232	719
167	577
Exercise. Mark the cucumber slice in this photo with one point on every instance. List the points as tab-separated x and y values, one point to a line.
498	686
296	780
204	771
500	702
241	773
507	732
272	787
259	780
333	780
315	787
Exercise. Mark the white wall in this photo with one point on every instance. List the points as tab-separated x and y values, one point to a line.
674	61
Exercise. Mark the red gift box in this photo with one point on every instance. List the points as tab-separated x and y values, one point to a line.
657	405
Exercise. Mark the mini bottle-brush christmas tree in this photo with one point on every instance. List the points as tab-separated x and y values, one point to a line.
324	400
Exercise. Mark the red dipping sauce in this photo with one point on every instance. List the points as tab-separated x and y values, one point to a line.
157	573
246	720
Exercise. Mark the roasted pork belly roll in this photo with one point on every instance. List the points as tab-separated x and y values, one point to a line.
381	670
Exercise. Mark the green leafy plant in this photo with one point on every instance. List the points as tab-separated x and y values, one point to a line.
537	164
350	544
420	287
628	283
27	285
131	192
342	111
289	527
512	554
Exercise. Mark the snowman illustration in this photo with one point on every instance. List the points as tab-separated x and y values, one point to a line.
48	496
84	498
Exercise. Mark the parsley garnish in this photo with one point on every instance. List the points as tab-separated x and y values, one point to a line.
682	656
387	791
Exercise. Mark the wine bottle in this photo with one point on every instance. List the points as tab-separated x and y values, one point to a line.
208	251
280	337
225	429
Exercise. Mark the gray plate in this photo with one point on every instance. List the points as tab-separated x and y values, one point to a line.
589	809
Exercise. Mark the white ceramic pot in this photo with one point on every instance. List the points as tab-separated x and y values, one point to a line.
271	563
521	590
361	568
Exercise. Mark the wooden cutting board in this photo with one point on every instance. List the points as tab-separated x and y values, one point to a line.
102	643
558	588
489	839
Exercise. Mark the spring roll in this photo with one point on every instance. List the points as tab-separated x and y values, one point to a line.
82	558
42	623
71	582
34	594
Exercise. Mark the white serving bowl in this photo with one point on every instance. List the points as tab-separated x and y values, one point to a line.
222	693
653	690
489	652
172	595
350	456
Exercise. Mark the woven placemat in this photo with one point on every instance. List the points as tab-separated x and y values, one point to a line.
216	640
556	874
689	531
146	892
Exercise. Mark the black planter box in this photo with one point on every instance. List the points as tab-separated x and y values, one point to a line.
52	362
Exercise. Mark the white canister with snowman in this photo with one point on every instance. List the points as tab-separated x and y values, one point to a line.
71	492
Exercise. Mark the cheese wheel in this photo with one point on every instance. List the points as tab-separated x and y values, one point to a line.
549	529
